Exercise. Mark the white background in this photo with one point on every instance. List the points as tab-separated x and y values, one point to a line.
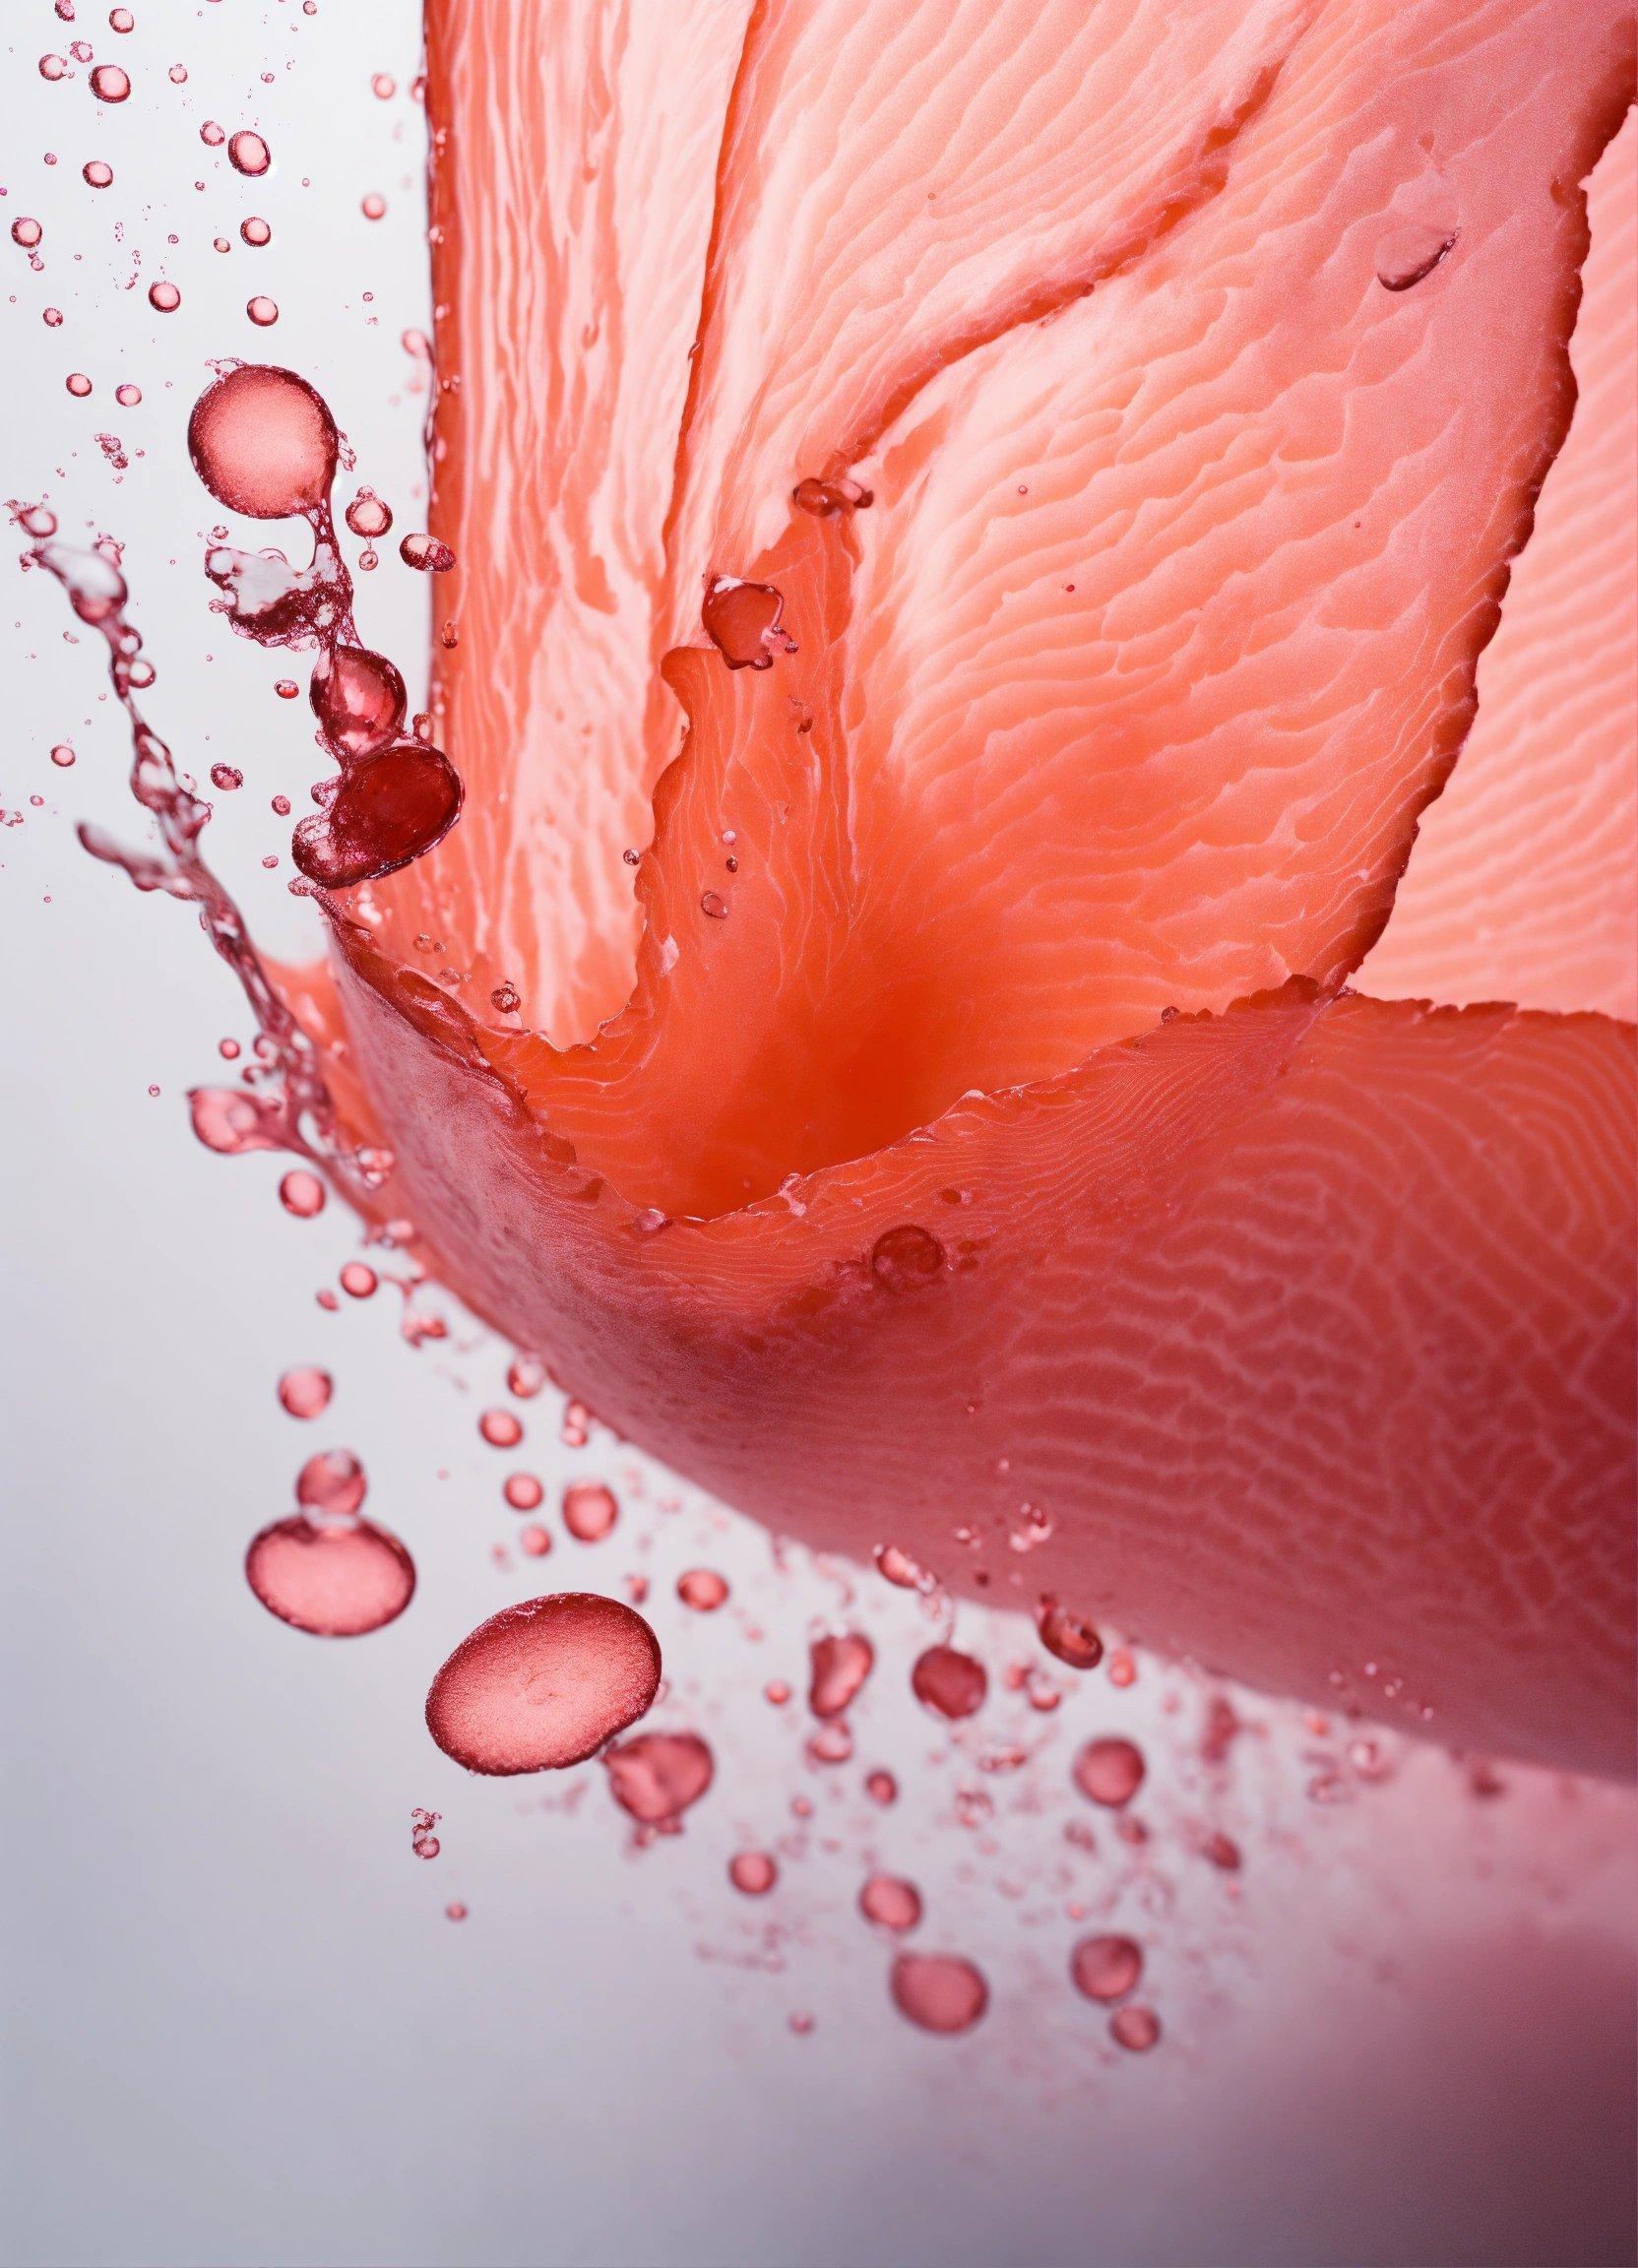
239	2027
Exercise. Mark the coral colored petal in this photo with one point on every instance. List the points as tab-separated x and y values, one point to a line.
1309	1329
1523	882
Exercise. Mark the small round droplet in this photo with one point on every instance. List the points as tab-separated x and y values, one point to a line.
881	1787
1105	1968
163	298
264	443
501	1428
543	1685
950	1683
262	310
358	1280
657	1776
301	1193
109	84
358	697
905	1259
27	232
367	515
1068	1637
939	1991
255	231
79	385
332	1484
534	1539
702	1589
891	1903
504	999
590	1510
742	621
373	206
305	1390
526	1376
426	553
128	396
332	1580
455	1910
522	1491
1109	1771
248	153
840	1664
753	1873
97	173
1135	2029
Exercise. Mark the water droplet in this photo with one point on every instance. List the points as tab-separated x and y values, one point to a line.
164	298
332	1483
358	697
526	1376
357	1280
264	443
840	1665
455	1910
262	310
77	383
1411	251
373	206
305	1390
505	998
1135	2029
1109	1771
227	776
590	1510
799	2022
62	755
534	1539
825	498
232	1123
1068	1637
384	87
939	1991
833	1744
657	1776
754	1872
97	173
900	1569
501	1428
950	1683
905	1258
27	232
255	231
881	1787
702	1589
522	1491
248	153
426	553
333	1581
891	1903
542	1685
714	905
1221	1851
743	622
302	1193
388	809
1105	1968
109	84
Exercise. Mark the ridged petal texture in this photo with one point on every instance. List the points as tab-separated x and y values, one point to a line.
959	1119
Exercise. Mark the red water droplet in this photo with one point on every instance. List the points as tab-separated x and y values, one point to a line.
109	84
232	1123
800	2023
505	998
939	1991
743	622
62	755
950	1683
335	1581
262	310
754	1872
714	905
77	383
657	1776
358	697
776	1692
1109	1771
543	1685
522	1491
455	1910
1410	252
357	1280
256	232
891	1903
500	1428
97	173
305	1392
212	135
389	808
905	1259
1069	1637
423	1839
122	19
1135	2029
164	298
1123	1671
881	1787
833	1744
27	232
384	85
702	1589
535	1540
332	1484
264	443
526	1376
367	515
426	553
227	776
1105	1968
840	1664
1221	1851
248	153
900	1568
372	207
590	1510
302	1193
825	498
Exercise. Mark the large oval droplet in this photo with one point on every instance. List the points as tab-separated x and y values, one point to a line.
939	1991
1109	1771
950	1683
334	1580
358	697
743	622
543	1685
264	442
1105	1968
387	810
1411	251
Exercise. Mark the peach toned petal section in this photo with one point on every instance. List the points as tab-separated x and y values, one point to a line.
1524	881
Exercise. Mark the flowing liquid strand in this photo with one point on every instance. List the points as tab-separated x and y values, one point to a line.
840	1665
939	1991
543	1685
